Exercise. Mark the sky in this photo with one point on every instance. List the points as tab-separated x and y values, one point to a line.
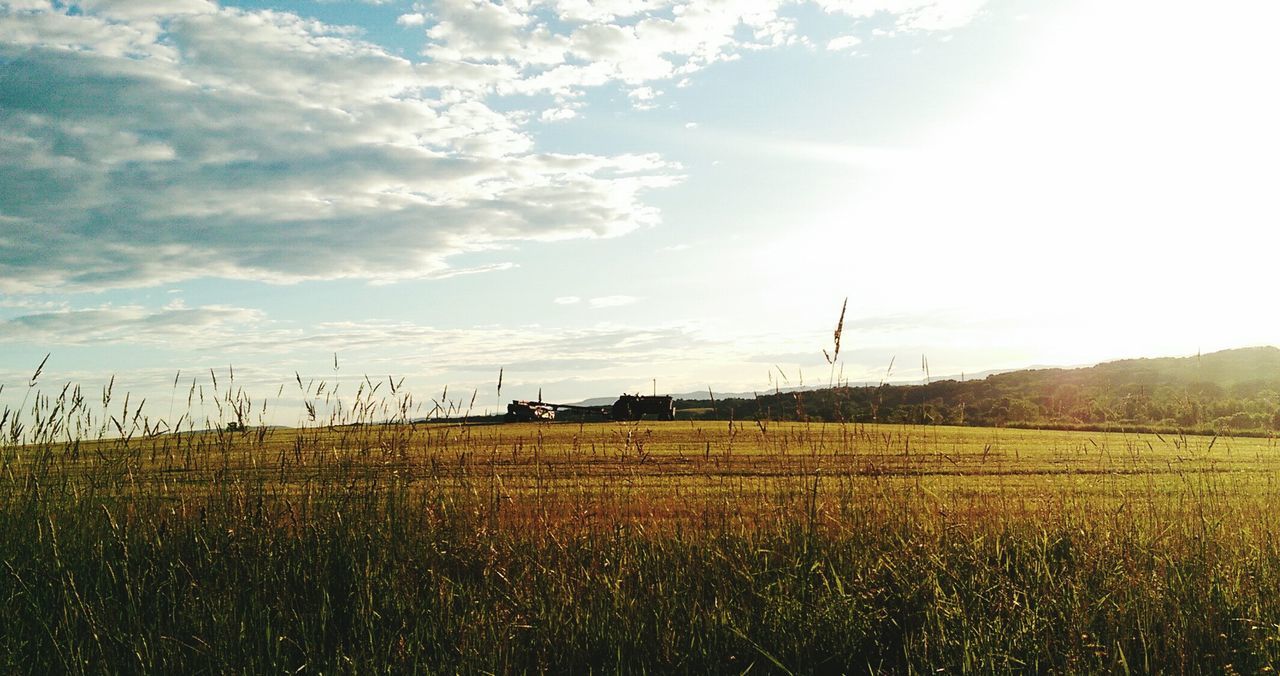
625	195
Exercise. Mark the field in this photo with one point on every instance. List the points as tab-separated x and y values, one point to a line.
634	547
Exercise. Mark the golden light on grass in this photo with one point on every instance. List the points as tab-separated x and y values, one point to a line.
360	544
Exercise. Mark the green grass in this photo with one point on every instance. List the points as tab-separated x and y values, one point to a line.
634	547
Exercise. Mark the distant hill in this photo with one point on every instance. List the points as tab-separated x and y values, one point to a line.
1227	368
1232	391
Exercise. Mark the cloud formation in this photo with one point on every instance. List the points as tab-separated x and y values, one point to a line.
190	327
590	44
612	301
151	141
402	347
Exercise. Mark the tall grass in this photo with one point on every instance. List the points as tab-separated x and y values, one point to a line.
352	546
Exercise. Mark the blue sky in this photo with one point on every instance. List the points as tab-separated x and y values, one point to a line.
594	196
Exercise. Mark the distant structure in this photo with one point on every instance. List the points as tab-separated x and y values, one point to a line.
627	407
636	406
529	411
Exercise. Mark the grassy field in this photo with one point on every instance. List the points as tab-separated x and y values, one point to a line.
634	547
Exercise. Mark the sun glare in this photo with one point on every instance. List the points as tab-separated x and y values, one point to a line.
1124	180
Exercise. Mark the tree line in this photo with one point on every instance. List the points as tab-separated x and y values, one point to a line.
1235	391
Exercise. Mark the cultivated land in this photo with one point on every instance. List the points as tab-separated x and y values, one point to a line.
680	546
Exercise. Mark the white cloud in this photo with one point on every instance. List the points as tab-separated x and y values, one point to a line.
611	301
141	9
941	16
633	42
911	15
412	19
479	30
567	300
516	48
19	5
642	98
31	303
843	43
558	114
604	11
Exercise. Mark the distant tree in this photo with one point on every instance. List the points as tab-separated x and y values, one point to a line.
1189	413
1022	410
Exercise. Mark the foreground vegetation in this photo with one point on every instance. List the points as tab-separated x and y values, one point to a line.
684	546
